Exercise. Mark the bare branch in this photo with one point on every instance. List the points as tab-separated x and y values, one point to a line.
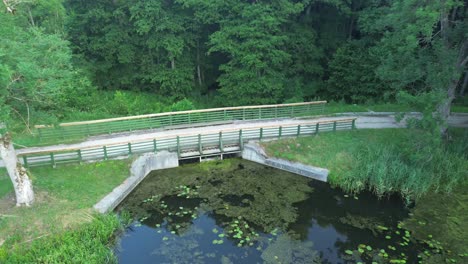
11	4
464	62
9	8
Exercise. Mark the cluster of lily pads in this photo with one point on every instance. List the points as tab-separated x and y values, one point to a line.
186	191
366	251
220	236
242	232
151	199
181	211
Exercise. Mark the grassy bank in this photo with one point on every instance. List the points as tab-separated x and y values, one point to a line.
384	161
61	222
390	160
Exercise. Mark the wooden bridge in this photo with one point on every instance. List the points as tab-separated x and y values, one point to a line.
213	142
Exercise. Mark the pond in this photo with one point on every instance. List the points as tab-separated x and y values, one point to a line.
235	211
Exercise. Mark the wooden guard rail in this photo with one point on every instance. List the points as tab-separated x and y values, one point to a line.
112	125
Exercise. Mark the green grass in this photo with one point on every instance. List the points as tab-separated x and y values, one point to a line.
6	186
336	107
88	243
384	161
331	150
64	197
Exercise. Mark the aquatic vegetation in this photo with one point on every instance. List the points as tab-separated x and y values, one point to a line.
285	249
241	232
248	213
441	223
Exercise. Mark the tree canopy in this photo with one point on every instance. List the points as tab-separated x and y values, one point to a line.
236	52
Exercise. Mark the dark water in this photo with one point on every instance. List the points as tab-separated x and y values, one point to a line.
236	211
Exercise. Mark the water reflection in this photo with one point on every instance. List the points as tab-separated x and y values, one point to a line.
240	212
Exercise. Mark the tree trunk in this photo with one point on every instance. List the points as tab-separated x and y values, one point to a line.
464	85
198	64
444	110
18	174
31	18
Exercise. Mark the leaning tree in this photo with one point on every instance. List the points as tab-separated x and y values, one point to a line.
18	174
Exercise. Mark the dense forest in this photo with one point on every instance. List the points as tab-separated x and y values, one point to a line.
63	59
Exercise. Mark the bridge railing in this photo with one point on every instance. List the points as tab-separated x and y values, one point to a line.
78	130
187	146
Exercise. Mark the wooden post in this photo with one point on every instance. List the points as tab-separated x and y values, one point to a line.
200	147
155	146
40	133
241	140
52	159
280	131
261	133
334	126
105	152
80	157
129	148
353	125
298	130
221	148
317	128
25	161
178	146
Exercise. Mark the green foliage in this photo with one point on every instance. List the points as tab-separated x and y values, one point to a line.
422	48
352	75
253	44
36	73
182	105
87	244
384	161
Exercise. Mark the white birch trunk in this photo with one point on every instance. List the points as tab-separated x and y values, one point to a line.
18	174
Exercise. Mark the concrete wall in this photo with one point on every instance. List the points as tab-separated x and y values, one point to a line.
254	152
141	167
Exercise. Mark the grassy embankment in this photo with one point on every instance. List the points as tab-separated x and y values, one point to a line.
61	225
390	161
